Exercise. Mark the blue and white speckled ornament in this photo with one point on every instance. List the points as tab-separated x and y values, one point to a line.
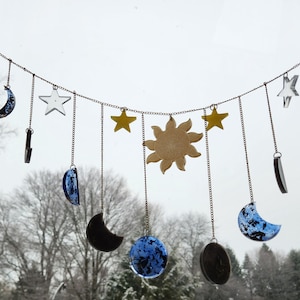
148	257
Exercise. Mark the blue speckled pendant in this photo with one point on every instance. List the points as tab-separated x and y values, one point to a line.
253	226
70	186
9	105
148	257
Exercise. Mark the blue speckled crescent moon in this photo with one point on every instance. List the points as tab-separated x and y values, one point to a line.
148	257
70	186
9	105
253	226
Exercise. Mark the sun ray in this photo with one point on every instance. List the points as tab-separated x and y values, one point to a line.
165	165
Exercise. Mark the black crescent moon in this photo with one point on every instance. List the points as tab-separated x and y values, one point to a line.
100	237
215	263
9	105
280	175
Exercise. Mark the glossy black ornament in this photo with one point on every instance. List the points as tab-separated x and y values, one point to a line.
100	237
215	263
28	149
280	175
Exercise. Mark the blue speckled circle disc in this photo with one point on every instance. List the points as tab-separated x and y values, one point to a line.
148	257
253	226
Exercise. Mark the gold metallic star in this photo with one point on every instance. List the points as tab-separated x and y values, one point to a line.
123	121
215	119
288	90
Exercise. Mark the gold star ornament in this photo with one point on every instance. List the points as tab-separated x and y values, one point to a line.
214	119
123	121
173	144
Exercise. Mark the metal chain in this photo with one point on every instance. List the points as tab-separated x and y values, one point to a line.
31	102
271	119
211	204
140	111
246	151
145	179
101	167
8	74
73	130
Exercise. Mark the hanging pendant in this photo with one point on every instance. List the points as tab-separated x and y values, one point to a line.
100	237
254	227
10	103
148	257
214	119
28	149
55	102
70	185
173	144
279	173
289	90
215	263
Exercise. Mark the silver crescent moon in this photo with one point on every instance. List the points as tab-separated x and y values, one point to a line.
253	226
280	175
9	105
70	186
100	237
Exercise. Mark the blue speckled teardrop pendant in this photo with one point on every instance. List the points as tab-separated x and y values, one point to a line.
70	186
148	257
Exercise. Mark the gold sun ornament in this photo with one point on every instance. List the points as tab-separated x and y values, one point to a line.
173	144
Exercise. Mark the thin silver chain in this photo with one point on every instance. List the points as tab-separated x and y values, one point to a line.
271	119
245	148
101	167
73	130
31	102
8	74
147	112
145	179
211	204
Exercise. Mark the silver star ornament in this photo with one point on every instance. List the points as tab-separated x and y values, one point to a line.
55	102
288	90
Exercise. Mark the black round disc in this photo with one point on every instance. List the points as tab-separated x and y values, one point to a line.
215	263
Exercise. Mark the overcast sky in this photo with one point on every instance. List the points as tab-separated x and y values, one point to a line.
161	56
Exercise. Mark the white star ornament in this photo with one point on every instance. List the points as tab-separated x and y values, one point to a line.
288	90
55	102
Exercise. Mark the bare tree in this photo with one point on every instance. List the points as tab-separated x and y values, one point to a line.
41	232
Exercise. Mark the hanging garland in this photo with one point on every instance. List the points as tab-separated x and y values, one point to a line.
148	255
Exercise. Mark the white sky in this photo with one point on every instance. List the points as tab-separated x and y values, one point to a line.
161	56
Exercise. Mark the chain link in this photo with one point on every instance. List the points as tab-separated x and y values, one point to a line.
101	167
73	130
141	111
145	179
8	74
31	102
245	148
211	204
271	119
